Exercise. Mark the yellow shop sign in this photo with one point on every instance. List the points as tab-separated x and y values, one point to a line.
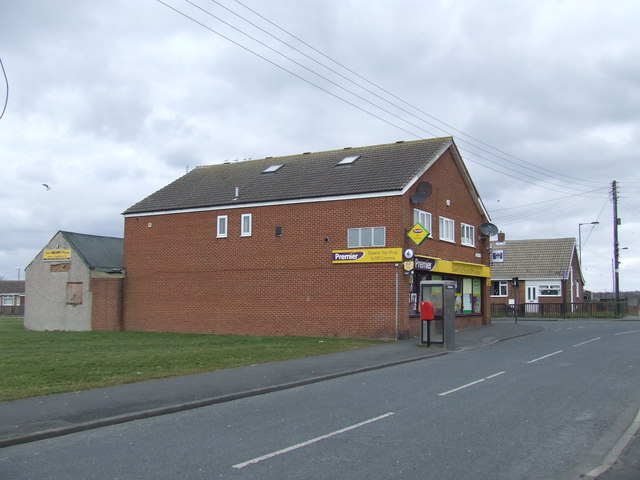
367	255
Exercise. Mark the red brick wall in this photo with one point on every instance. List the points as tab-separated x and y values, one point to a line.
106	303
181	278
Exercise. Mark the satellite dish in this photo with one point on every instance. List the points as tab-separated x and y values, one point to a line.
423	191
488	229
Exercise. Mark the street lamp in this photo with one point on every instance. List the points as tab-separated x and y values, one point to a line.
580	237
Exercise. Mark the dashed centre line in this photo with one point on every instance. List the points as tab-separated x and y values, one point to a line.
624	333
588	341
470	384
309	442
545	356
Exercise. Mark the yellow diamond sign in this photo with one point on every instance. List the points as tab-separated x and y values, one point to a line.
418	234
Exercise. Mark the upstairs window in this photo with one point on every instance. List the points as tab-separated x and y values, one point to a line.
447	229
366	237
468	235
423	218
222	226
245	221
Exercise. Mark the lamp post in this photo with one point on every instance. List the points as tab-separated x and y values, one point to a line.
580	236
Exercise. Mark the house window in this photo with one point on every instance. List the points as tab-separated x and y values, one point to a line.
366	237
245	221
74	293
549	290
423	218
222	226
447	229
499	288
468	235
7	300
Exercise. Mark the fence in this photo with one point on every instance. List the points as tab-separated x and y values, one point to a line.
607	309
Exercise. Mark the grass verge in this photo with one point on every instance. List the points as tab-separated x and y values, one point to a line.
42	363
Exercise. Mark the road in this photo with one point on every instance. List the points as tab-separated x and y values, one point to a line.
545	406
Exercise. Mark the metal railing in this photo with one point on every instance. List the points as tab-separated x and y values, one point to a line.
605	309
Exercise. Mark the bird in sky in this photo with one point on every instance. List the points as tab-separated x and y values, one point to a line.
46	186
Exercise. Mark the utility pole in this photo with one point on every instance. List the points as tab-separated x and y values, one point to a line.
616	248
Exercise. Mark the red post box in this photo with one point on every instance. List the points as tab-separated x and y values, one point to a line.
426	311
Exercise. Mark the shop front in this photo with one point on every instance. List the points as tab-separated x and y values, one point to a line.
470	278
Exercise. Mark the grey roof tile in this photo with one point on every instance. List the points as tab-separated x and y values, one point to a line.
379	168
98	252
535	258
11	286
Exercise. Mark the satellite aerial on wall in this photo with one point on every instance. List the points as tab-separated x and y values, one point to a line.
488	229
423	191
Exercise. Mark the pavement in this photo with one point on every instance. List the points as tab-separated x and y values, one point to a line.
37	418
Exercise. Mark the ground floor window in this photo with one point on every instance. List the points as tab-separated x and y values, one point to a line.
549	290
499	288
468	292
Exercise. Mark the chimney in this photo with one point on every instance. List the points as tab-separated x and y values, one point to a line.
501	237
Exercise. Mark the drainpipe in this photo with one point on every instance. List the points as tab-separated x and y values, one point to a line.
397	300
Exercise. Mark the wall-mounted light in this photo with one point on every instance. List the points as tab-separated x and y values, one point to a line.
448	202
278	231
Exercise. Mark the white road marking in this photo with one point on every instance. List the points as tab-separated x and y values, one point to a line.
309	442
588	341
624	333
470	384
545	356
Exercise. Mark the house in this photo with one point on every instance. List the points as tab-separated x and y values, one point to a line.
75	283
548	271
12	297
331	243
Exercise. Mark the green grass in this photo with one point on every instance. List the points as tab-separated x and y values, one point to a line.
42	363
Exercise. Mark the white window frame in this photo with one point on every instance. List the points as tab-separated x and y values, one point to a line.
467	235
246	223
550	286
355	237
447	229
501	284
7	301
423	218
222	223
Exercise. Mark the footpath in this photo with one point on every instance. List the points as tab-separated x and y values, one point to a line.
38	418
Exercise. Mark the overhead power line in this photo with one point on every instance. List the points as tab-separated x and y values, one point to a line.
6	98
387	92
520	169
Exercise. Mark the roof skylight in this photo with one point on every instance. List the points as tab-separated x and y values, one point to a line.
349	160
273	168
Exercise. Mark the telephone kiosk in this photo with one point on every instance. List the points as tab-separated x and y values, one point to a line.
437	312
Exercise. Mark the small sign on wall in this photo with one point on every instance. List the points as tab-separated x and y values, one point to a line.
57	254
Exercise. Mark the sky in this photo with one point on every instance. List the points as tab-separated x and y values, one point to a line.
110	100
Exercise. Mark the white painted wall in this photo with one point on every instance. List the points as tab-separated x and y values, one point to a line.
46	292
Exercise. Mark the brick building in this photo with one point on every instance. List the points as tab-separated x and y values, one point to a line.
12	297
75	283
311	244
548	271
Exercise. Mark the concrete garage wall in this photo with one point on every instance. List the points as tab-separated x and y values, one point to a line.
47	282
